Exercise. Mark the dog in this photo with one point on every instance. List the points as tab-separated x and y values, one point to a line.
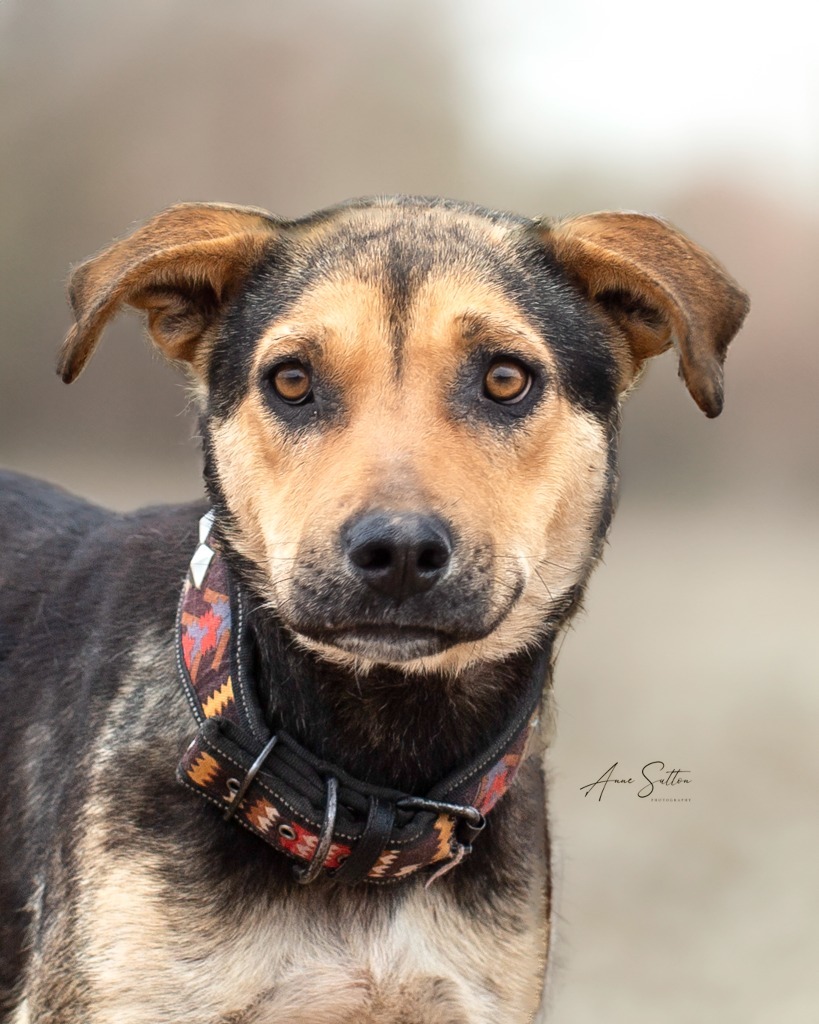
277	756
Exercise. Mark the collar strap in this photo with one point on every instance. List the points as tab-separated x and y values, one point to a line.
309	809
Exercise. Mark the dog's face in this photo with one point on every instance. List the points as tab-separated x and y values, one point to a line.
410	406
401	452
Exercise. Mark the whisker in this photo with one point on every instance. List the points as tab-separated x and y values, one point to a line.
545	586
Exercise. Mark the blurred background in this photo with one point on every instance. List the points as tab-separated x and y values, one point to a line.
696	648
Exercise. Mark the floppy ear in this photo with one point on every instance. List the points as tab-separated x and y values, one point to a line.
180	268
660	289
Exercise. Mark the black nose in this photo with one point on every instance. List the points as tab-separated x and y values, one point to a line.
398	554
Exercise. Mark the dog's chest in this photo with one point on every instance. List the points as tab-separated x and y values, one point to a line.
169	932
301	959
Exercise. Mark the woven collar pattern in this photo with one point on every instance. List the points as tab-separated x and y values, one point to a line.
276	789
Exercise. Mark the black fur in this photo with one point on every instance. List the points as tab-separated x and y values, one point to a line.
404	256
84	593
78	587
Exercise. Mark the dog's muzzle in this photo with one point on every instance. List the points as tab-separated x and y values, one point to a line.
394	587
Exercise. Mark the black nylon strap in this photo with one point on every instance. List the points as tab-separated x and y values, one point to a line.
281	791
370	846
296	775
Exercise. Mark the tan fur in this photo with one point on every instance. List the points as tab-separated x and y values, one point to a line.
373	975
529	506
143	948
21	1015
190	247
697	305
532	503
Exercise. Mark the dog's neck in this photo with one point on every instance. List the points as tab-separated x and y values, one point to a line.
390	728
402	730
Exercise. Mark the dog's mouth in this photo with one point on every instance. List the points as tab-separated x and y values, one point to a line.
358	623
384	642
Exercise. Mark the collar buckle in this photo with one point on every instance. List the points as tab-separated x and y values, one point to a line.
307	873
240	789
470	821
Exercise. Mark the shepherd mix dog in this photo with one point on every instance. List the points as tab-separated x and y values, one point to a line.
250	752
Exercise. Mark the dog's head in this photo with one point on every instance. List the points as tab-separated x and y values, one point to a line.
410	406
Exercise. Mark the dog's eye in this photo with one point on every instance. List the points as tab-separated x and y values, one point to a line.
292	382
507	381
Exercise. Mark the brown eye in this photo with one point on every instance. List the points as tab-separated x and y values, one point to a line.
291	381
506	381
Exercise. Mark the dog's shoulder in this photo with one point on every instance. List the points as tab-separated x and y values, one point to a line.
59	550
34	512
40	527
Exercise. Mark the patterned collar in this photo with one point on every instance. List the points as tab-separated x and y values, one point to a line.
308	809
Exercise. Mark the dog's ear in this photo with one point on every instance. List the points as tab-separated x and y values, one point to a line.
660	289
180	268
